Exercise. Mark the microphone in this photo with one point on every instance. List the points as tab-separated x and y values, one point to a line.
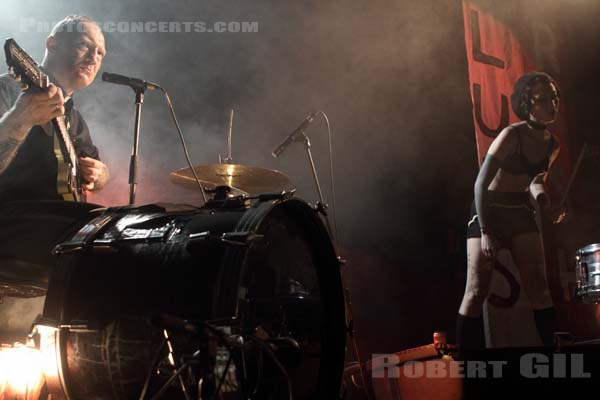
136	84
294	135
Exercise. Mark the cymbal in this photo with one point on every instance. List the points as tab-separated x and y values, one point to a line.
252	180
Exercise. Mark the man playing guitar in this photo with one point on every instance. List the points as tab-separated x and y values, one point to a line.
33	216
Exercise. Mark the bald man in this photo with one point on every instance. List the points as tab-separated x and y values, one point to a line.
33	216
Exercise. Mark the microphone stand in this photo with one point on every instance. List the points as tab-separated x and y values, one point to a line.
321	206
139	100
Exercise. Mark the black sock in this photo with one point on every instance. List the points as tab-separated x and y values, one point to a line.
469	332
545	321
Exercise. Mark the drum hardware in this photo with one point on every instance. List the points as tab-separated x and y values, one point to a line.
101	247
223	199
97	247
81	238
229	158
202	236
321	208
79	326
67	248
177	374
278	349
282	350
587	272
220	192
283	195
137	227
244	239
240	286
74	325
244	178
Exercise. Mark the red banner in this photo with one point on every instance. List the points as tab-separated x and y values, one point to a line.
496	60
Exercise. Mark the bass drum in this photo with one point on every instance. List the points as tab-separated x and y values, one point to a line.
266	269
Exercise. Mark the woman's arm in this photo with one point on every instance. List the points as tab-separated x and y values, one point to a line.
487	172
499	149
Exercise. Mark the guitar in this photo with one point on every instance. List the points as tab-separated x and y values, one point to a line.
29	73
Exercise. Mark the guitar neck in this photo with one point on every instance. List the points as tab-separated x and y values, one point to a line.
65	139
31	74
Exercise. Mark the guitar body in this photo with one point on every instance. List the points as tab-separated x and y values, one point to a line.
68	184
25	69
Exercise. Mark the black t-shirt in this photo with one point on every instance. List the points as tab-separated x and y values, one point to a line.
33	172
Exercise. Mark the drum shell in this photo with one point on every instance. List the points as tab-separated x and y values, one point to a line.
587	271
193	275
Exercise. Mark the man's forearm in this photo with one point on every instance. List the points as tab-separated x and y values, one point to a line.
12	135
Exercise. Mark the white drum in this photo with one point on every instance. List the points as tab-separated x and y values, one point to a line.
587	271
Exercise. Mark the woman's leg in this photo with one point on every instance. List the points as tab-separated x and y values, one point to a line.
469	324
529	258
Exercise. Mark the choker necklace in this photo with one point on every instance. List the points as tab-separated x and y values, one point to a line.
536	125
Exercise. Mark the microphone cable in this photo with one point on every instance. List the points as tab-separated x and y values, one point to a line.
185	150
332	182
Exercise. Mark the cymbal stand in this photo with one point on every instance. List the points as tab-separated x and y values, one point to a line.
229	158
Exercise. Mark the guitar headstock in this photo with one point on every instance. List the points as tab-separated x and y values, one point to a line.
23	67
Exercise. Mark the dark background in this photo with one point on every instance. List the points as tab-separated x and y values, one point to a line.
392	77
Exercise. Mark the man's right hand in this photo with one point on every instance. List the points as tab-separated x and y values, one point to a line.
39	107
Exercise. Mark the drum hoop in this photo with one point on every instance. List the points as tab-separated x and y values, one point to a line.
590	248
53	350
233	262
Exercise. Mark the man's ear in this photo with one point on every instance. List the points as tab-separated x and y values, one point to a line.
51	44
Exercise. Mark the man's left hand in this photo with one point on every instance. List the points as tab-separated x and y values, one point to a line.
91	171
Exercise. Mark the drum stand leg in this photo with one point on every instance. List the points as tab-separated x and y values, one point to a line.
352	333
176	374
178	371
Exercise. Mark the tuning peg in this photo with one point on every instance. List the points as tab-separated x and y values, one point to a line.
18	78
11	70
24	87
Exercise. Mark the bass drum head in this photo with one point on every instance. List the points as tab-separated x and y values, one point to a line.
268	273
293	290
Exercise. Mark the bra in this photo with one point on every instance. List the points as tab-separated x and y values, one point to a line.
517	164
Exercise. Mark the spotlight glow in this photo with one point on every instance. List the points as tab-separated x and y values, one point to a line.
21	374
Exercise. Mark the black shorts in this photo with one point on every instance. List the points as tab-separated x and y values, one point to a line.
510	214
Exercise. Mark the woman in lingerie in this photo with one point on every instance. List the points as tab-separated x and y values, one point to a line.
512	174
